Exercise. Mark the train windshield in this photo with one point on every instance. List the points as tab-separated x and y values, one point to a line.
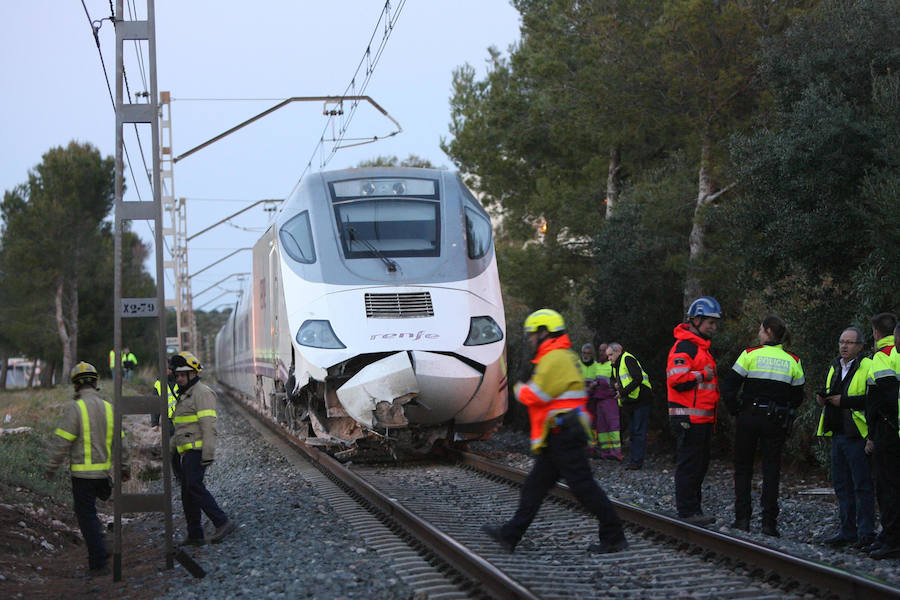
387	217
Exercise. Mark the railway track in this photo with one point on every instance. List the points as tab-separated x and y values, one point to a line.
428	516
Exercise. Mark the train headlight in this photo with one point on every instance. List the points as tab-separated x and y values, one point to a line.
318	334
483	330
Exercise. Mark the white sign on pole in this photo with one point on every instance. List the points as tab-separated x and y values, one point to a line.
139	307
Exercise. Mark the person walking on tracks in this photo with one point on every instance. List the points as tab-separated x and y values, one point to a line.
843	419
693	394
555	396
193	450
770	382
85	436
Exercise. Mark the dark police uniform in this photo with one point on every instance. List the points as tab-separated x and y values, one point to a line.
772	381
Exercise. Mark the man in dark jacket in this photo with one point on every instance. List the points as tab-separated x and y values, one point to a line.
635	397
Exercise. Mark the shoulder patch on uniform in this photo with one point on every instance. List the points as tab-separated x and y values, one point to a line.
678	362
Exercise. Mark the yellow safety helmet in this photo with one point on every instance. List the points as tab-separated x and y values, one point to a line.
84	373
185	361
547	318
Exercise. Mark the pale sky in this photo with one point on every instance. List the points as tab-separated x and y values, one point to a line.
52	91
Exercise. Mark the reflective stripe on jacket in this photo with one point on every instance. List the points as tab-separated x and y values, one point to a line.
766	376
622	372
852	392
195	421
556	387
882	385
686	395
85	435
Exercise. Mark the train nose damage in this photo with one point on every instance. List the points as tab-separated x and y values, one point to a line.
409	388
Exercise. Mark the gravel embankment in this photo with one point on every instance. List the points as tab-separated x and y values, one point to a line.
288	544
805	518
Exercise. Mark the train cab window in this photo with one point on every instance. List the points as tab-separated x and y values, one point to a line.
296	238
478	234
389	227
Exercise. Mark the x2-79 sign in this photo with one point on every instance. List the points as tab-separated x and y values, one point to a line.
139	307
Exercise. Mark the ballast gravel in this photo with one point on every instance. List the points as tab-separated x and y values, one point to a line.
809	509
289	543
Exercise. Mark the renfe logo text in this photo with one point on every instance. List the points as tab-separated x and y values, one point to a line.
412	336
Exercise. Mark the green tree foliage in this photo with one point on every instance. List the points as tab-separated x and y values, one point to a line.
749	147
815	230
391	161
57	248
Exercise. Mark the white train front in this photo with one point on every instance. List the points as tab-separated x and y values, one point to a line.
374	310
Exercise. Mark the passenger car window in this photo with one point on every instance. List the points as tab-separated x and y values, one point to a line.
296	239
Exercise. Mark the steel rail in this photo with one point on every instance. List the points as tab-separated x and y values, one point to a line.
494	582
818	575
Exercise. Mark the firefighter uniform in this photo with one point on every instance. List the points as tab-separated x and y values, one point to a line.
770	381
882	417
850	470
693	395
560	432
85	436
193	448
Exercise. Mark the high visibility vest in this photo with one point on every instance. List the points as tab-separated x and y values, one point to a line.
884	365
596	369
83	458
625	376
173	399
856	387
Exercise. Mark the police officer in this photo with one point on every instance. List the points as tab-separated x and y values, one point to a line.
194	446
770	381
555	397
843	419
84	436
693	395
882	417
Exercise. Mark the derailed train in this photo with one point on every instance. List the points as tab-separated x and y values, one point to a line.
373	312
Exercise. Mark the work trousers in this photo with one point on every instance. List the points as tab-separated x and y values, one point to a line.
605	415
887	481
85	493
564	456
853	486
195	498
692	461
756	430
638	417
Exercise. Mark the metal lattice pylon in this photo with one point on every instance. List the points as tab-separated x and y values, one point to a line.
128	113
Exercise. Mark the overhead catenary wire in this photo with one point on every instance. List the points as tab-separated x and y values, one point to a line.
370	60
95	28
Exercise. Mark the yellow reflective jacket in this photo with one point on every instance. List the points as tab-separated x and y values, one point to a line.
85	436
195	421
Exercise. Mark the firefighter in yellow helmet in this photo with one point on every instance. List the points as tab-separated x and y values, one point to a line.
193	450
554	393
85	436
